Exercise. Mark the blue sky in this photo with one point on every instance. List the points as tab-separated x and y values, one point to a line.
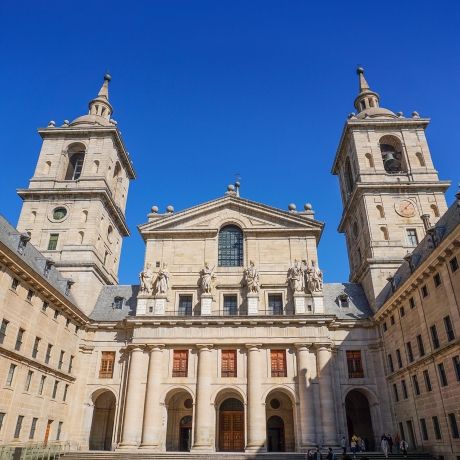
203	90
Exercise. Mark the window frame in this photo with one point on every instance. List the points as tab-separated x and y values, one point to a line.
449	328
278	356
53	242
106	364
180	296
181	357
229	356
238	303
225	256
272	294
354	364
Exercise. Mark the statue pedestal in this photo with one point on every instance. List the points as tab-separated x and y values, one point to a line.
299	303
318	303
253	304
159	304
206	304
141	308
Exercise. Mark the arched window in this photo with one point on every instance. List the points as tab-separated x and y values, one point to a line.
76	159
381	211
230	247
435	210
392	156
96	166
370	160
348	177
385	235
420	158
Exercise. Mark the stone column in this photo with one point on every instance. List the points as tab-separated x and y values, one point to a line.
326	394
203	423
152	426
134	403
256	431
305	397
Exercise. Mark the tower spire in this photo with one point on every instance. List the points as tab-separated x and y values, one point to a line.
363	85
100	105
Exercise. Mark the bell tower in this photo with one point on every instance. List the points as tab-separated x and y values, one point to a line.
388	182
74	207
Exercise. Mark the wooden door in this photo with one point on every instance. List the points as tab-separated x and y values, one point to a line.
231	429
47	431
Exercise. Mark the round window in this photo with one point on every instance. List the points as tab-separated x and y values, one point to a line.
59	213
275	404
188	403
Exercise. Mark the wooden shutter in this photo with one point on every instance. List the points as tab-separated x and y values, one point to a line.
180	363
278	362
107	365
228	366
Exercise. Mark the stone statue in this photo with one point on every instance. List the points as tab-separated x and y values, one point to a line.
296	277
251	277
207	277
146	278
162	282
314	278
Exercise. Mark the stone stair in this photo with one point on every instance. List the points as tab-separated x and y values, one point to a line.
139	455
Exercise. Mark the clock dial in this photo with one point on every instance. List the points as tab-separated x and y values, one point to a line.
405	208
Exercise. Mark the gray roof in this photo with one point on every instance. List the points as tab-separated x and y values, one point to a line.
445	225
10	237
358	306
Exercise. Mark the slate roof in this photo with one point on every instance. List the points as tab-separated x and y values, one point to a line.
358	307
10	237
445	225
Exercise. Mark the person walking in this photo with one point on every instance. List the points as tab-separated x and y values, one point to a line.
362	445
343	445
353	447
404	445
390	443
384	446
317	454
397	442
310	454
330	454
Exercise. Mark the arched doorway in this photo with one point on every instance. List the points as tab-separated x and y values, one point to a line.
275	434
179	405
231	425
280	422
101	434
359	420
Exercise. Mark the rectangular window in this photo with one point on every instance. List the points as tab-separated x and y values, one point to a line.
434	336
437	280
275	304
61	359
19	337
355	365
33	427
59	431
9	379
453	264
412	239
442	375
228	365
412	303
28	380
453	426
67	322
44	306
107	365
185	305
421	347
402	312
3	330
426	378
17	430
180	363
230	305
410	354
70	364
436	427
35	348
48	353
14	284
56	314
384	326
278	363
424	429
66	390
390	363
449	329
42	385
53	241
30	295
2	418
404	389
424	291
392	320
398	357
395	392
55	389
416	385
456	363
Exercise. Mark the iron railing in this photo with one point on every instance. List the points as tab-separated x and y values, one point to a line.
34	451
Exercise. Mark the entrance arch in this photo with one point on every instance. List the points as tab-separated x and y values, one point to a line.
280	422
231	425
359	420
179	405
101	433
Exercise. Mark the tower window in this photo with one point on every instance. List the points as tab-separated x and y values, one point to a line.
435	210
230	247
412	239
420	158
53	241
381	211
59	213
75	166
391	149
349	181
385	235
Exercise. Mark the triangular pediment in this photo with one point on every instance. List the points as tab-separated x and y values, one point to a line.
249	215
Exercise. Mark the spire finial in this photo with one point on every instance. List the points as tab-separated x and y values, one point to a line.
363	85
104	91
366	99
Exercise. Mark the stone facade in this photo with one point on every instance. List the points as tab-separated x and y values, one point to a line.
231	342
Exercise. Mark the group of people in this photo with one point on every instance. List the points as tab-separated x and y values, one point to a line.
315	454
387	444
357	444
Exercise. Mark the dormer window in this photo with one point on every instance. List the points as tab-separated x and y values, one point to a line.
344	301
24	238
118	303
47	268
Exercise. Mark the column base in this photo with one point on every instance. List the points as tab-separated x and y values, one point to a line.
257	449
127	446
202	449
151	447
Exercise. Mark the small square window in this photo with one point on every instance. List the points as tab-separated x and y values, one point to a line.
412	303
14	284
30	295
437	279
424	291
453	264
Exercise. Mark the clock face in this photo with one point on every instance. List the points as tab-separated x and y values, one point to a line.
405	208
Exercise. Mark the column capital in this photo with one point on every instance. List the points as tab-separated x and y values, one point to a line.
323	346
299	346
134	347
204	346
253	346
151	347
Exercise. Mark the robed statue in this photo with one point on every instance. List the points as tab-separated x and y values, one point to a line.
251	277
162	282
146	278
207	278
296	277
